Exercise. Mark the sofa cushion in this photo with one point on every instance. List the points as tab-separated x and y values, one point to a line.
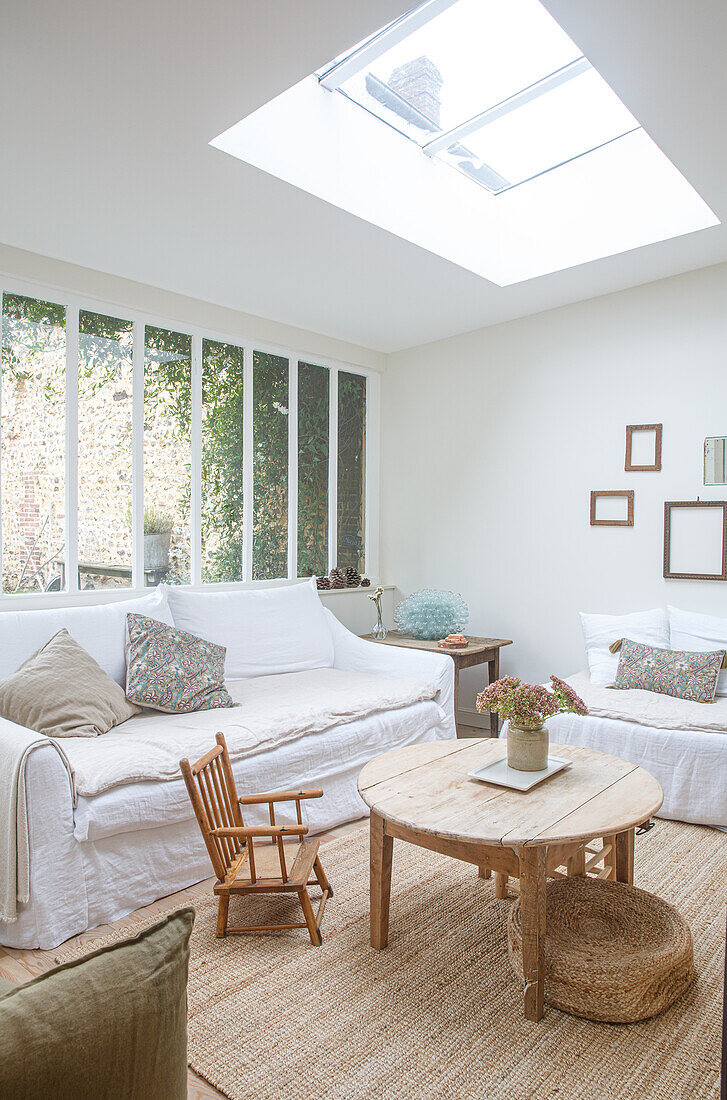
100	629
264	630
681	674
112	1024
272	710
62	692
696	631
173	671
600	631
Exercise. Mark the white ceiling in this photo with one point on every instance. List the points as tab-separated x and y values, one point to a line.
104	159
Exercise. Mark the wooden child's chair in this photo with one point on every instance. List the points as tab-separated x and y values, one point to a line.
280	864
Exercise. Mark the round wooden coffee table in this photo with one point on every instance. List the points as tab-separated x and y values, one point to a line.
423	794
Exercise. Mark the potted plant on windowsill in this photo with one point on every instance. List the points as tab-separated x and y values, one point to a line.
527	708
157	537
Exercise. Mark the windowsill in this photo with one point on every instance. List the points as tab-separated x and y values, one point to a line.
48	600
352	591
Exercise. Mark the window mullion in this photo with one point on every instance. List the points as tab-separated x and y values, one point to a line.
195	517
2	443
71	466
293	467
247	462
137	458
333	470
372	476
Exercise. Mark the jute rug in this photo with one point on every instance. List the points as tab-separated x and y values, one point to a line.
439	1013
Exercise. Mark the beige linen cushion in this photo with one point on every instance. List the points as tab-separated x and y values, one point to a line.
62	692
111	1025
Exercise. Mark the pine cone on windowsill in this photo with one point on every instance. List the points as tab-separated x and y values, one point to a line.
353	577
323	583
337	578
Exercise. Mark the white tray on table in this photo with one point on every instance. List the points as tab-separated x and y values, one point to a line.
502	775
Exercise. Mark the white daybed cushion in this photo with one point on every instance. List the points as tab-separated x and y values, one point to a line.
690	765
312	761
692	630
100	629
265	630
599	631
650	708
272	710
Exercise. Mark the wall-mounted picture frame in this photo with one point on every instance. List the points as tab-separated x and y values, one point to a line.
612	508
643	447
695	540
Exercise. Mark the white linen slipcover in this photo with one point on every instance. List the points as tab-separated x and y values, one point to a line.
78	883
270	710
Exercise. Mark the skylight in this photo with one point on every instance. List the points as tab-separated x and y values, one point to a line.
497	90
479	130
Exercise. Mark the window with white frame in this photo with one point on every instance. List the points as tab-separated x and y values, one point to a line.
133	453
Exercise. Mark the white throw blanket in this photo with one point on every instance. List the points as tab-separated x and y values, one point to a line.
16	745
647	708
272	710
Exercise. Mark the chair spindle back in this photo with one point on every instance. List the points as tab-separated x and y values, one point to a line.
212	791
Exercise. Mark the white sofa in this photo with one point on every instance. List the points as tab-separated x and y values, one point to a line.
137	841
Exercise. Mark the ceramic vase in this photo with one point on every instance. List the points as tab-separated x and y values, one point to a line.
527	750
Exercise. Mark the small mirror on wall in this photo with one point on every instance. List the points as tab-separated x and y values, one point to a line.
715	460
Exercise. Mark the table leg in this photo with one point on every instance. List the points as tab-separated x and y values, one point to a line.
576	865
624	845
493	670
456	699
532	915
382	849
501	885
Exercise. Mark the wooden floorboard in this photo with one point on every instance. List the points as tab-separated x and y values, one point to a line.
19	966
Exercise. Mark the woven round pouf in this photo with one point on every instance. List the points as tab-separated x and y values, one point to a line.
612	952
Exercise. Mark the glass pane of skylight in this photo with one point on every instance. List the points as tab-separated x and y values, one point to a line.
571	119
471	56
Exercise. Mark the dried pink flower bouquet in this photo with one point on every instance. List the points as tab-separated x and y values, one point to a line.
529	705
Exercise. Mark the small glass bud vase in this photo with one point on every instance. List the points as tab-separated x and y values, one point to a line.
379	632
527	750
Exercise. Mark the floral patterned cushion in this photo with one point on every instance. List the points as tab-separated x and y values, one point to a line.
684	675
171	670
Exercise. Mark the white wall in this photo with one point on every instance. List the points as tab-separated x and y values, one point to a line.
82	281
493	440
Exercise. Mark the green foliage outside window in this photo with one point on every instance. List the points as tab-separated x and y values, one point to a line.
313	408
222	461
270	466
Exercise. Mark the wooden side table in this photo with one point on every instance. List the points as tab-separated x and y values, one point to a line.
480	651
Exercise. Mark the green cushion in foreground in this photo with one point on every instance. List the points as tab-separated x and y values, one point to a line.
110	1026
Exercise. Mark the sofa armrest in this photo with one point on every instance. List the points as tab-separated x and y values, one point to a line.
355	654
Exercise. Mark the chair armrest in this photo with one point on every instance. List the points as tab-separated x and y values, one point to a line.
279	796
395	662
245	831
